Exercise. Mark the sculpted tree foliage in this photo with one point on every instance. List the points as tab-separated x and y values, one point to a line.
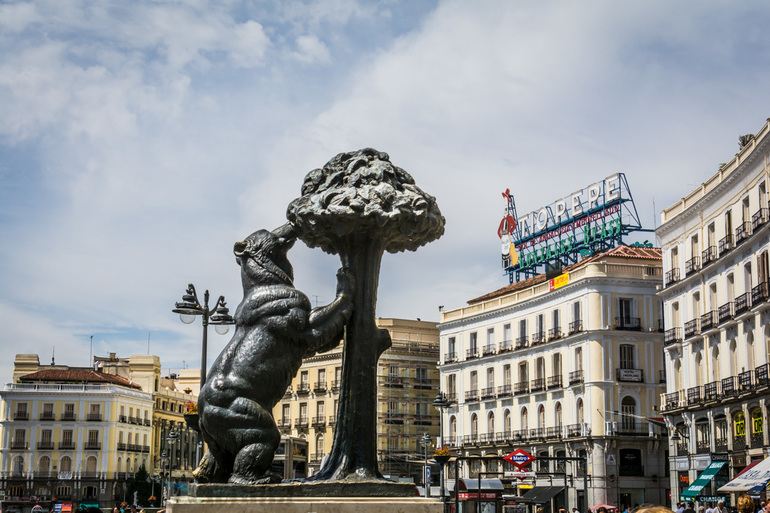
359	206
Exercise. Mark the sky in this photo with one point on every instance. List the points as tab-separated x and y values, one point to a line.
139	140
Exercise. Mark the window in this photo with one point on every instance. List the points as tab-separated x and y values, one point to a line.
507	422
715	364
490	377
556	363
69	412
46	437
303	412
540	368
474	344
555	324
578	358
320	409
304	377
491	425
730	288
285	414
557	416
524	419
628	415
18	466
711	235
523	330
474	380
21	411
451	386
452	346
540	333
319	446
507	374
507	336
523	374
65	465
739	424
91	465
474	426
627	360
577	320
44	466
322	376
579	412
541	418
490	337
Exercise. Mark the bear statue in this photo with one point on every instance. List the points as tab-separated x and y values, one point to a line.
275	328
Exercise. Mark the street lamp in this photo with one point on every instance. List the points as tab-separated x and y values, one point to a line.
425	442
221	318
170	440
441	402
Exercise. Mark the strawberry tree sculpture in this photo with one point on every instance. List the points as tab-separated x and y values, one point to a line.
358	206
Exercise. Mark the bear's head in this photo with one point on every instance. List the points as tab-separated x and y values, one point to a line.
262	256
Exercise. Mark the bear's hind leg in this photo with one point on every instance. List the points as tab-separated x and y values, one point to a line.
252	465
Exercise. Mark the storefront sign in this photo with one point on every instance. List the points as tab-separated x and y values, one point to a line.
464	496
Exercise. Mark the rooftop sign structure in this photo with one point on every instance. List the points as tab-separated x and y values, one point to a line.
586	222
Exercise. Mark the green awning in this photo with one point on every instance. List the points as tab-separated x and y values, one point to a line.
700	483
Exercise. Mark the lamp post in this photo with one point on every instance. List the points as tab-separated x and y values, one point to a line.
219	316
441	402
425	442
170	440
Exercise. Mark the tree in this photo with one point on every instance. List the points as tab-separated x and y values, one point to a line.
359	206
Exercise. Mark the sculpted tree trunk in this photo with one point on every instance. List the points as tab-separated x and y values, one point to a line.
359	206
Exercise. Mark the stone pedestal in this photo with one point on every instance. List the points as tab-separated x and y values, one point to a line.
320	497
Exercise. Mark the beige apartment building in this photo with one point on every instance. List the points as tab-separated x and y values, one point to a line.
568	364
715	244
407	383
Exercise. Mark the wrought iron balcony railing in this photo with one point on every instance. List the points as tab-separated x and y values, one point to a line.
709	254
628	323
692	265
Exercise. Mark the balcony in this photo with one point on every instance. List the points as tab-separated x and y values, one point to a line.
711	391
726	312
554	333
504	391
520	435
336	385
694	395
47	415
332	420
123	419
91	445
576	430
720	445
761	375
745	382
300	423
319	421
726	244
702	446
729	387
521	388
488	393
692	265
709	254
488	349
506	345
756	440
575	326
672	336
21	415
450	357
552	433
576	377
45	446
759	294
554	382
537	433
316	457
94	417
319	387
471	395
739	443
422	420
67	446
303	388
521	342
759	218
471	353
708	321
742	232
742	303
538	385
672	276
672	401
630	375
122	446
692	328
69	416
628	323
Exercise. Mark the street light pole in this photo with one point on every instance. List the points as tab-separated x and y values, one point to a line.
425	442
172	437
219	316
441	402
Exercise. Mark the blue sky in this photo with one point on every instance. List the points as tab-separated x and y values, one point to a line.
139	140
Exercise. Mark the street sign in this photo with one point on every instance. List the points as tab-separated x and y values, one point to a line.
520	474
520	458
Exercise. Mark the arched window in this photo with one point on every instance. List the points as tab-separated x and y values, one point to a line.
557	416
757	426
628	415
507	422
91	465
44	466
453	430
524	419
120	465
733	358
715	364
678	375
474	427
319	446
18	466
65	465
739	425
491	425
579	411
698	369
750	350
541	417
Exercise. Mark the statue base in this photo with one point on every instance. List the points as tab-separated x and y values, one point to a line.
321	497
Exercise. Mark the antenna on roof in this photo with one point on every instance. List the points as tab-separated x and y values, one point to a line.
91	354
148	342
53	356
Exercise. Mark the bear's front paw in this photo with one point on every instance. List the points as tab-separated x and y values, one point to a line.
345	281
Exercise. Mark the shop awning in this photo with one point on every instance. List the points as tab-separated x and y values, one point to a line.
541	494
486	484
753	478
703	479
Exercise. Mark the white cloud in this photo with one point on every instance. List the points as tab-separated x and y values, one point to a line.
311	49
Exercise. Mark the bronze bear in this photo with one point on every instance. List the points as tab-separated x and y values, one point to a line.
275	329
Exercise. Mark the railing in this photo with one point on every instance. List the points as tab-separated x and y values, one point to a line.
319	421
93	445
729	387
66	446
761	374
521	388
759	294
520	435
759	218
709	254
47	416
450	357
488	393
554	382
506	345
471	395
742	232
726	312
672	335
337	382
711	391
471	353
303	388
726	244
538	384
634	375
319	387
692	328
554	432
576	377
756	440
739	442
575	326
693	395
744	381
575	430
554	333
21	415
451	397
521	342
45	446
720	444
672	401
691	265
538	337
504	391
316	457
672	276
94	417
708	320
300	422
742	303
288	391
488	349
68	416
628	323
332	420
18	445
703	446
122	446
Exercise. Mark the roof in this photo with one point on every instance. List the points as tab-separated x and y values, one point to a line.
77	376
622	251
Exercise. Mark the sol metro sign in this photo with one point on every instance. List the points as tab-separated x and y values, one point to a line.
520	458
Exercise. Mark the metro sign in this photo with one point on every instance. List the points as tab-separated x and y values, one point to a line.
520	458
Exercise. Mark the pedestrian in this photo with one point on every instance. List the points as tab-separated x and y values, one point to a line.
680	507
701	509
745	504
761	507
690	508
648	508
710	507
720	507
